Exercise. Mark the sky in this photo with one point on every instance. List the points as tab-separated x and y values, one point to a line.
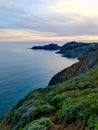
48	20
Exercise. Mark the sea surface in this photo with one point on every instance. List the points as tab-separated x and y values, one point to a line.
23	70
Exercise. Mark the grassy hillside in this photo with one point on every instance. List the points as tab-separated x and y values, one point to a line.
71	105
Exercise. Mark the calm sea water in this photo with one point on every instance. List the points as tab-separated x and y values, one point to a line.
23	70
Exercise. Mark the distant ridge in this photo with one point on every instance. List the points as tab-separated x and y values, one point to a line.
51	46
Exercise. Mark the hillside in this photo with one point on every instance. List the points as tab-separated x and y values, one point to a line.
71	105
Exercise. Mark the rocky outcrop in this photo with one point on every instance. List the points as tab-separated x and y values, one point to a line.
75	69
47	47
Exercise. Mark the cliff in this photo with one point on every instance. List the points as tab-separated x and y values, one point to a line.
75	69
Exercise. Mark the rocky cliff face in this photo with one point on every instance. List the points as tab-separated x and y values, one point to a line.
75	69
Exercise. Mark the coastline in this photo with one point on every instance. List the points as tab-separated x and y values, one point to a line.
29	70
54	101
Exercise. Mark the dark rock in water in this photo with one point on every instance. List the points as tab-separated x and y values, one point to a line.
47	47
74	70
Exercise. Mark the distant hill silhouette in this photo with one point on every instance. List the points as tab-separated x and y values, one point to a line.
47	47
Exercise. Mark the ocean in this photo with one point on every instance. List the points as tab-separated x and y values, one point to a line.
23	70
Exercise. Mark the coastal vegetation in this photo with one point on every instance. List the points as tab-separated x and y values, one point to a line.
72	103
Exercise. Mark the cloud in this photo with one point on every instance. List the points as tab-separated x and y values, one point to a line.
23	35
83	7
6	4
62	25
27	35
45	18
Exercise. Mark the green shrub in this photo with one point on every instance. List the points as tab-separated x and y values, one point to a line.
66	114
45	122
43	108
42	124
92	122
70	114
84	114
96	125
94	107
56	101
